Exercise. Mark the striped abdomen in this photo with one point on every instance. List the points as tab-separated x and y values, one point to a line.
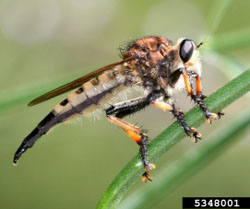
86	99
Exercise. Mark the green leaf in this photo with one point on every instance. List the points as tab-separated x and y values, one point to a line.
172	135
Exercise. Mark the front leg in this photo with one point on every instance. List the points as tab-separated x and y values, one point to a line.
199	97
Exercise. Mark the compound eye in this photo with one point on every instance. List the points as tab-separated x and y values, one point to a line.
186	50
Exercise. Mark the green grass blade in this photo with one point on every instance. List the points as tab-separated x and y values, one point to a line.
168	138
216	14
173	175
22	95
230	40
228	65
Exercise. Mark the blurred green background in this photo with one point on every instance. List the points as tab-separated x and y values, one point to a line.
45	43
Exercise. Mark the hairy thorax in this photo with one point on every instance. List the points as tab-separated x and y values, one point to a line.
151	52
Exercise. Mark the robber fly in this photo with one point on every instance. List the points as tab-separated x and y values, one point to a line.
153	63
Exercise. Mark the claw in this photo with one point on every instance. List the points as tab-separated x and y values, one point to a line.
151	166
198	135
193	129
208	120
194	140
214	116
195	134
220	114
211	115
146	176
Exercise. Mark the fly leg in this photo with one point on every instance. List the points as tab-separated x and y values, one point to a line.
170	106
140	137
123	109
199	97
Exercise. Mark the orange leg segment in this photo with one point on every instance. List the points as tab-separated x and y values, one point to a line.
198	86
131	130
198	98
140	137
162	105
187	83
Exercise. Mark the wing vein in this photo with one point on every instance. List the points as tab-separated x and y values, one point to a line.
75	83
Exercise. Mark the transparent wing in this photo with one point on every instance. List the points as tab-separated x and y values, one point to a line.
75	83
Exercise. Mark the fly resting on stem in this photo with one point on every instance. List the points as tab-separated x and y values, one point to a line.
154	64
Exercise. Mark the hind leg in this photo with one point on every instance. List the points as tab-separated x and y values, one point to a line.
139	135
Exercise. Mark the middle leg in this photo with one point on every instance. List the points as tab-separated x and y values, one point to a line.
170	106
